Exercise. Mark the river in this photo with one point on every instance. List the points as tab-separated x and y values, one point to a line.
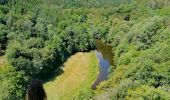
105	59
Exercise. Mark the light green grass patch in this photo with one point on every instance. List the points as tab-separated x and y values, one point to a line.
2	61
80	70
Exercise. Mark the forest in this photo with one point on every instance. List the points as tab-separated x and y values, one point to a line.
38	36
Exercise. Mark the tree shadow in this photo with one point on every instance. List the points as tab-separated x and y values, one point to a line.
56	72
2	52
52	76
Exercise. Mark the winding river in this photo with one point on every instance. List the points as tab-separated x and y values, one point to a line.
105	59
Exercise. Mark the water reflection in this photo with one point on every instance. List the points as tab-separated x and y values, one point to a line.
105	58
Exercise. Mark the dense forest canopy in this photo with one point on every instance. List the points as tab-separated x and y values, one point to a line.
37	36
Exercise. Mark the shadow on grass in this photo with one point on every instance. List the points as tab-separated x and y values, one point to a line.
2	53
52	76
58	71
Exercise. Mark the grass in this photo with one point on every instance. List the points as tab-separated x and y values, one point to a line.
80	70
2	61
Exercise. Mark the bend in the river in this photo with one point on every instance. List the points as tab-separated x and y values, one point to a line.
105	59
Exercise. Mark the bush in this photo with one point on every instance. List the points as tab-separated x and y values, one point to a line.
147	93
13	83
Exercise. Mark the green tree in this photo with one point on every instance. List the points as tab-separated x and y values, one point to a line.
12	83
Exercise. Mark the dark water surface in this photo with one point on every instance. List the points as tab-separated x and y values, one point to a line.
105	58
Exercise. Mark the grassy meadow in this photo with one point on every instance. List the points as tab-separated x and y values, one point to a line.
80	70
2	60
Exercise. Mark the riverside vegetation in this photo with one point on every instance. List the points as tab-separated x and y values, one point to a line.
38	36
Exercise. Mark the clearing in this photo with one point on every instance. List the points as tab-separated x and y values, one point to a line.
80	70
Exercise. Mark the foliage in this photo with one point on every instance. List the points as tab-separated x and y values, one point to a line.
39	35
12	83
141	58
146	92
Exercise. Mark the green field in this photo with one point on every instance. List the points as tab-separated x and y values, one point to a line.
80	70
1	60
